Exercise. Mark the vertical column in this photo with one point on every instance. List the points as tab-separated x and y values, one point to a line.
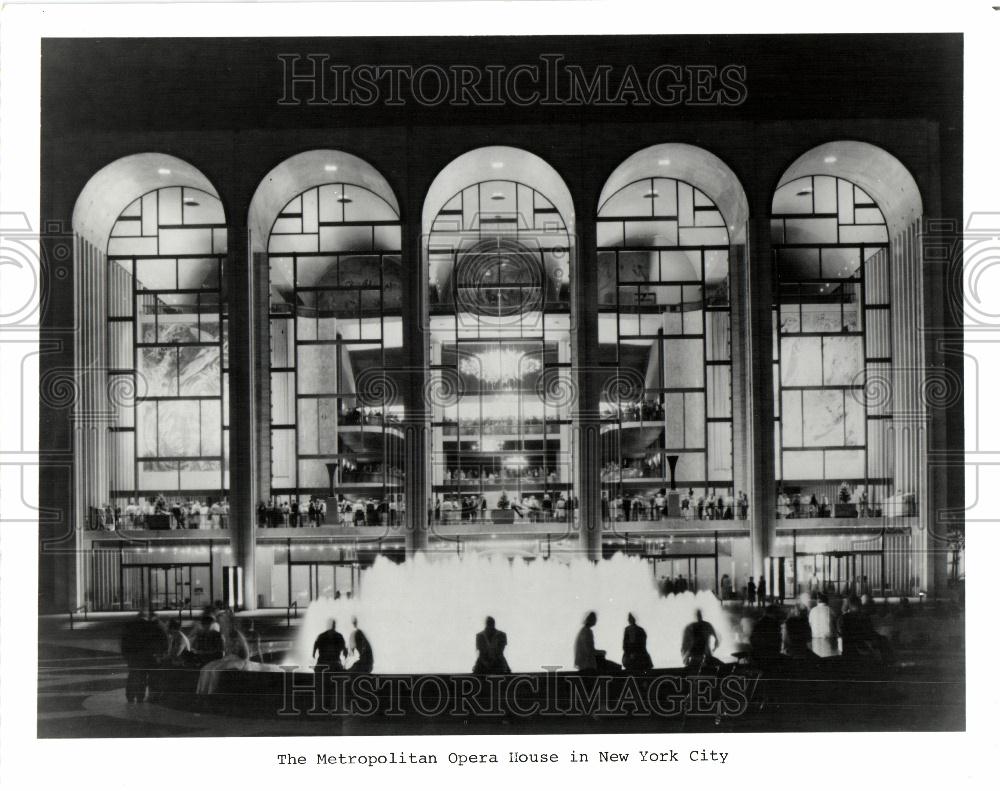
742	414
584	307
241	276
909	408
261	330
756	284
418	414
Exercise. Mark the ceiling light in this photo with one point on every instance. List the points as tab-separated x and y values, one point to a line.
800	193
497	165
664	162
497	196
830	159
330	168
344	200
163	171
652	194
191	202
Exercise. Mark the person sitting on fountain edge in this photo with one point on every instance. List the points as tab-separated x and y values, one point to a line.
635	657
363	648
331	647
490	645
699	642
587	658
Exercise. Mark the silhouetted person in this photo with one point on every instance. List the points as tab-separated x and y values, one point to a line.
207	644
635	657
765	640
586	657
360	643
143	642
698	642
490	645
859	640
761	591
682	584
796	635
330	648
751	592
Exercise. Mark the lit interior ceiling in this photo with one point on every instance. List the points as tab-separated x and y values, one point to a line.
690	164
873	169
303	171
117	185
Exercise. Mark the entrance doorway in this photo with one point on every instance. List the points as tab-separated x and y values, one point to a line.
187	586
311	580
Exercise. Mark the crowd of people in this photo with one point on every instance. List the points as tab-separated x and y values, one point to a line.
550	507
359	416
507	425
151	648
628	507
497	474
347	511
158	513
800	505
634	412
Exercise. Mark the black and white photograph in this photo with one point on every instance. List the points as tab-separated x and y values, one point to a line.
495	385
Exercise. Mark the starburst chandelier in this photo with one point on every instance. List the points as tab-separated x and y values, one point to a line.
500	368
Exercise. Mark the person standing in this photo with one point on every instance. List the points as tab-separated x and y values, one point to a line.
490	645
751	592
142	642
635	657
821	625
761	591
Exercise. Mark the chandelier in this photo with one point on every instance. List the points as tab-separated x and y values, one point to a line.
499	368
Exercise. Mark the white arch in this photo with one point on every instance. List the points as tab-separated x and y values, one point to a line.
696	166
116	185
303	171
502	163
873	169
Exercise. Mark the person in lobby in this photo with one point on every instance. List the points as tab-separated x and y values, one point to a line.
588	659
761	591
329	650
698	643
751	592
490	645
635	657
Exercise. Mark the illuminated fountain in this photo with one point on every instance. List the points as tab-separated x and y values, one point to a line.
423	616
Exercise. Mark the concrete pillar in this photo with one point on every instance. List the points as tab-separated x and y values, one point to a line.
585	288
241	276
756	282
417	418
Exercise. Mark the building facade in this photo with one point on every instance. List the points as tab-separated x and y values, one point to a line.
300	337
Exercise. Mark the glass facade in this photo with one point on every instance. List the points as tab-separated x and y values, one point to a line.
501	387
166	347
664	334
336	355
832	346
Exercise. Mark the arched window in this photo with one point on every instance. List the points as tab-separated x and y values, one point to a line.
166	344
664	333
333	256
832	334
499	262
